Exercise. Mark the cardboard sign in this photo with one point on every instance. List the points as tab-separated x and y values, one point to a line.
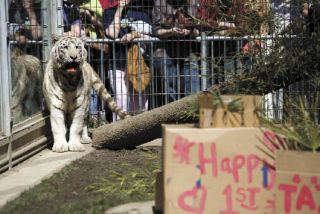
217	171
219	118
298	182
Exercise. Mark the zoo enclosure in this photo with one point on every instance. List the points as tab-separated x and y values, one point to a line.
24	136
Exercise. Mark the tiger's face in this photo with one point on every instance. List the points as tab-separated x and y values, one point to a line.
69	54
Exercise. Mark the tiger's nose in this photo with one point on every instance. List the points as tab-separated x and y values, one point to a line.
73	57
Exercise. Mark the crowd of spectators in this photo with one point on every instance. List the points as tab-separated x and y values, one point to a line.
175	22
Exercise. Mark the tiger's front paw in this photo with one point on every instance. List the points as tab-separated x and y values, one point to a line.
60	146
86	140
75	146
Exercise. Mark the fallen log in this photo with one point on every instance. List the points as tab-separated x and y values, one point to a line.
141	128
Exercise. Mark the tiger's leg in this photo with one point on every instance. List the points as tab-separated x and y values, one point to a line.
76	127
85	139
57	119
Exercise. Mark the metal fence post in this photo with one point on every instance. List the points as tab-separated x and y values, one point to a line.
5	80
153	75
203	61
166	85
56	17
140	83
102	113
5	72
46	30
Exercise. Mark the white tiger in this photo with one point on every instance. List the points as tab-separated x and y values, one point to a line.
26	77
66	87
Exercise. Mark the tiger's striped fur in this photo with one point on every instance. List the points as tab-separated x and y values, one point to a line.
67	83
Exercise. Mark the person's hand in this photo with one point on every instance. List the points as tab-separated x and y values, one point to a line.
21	39
71	33
195	32
123	3
305	9
228	25
179	32
127	38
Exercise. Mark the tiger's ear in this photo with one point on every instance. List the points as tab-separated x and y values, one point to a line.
55	38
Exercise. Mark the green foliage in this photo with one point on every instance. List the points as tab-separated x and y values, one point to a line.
96	121
192	113
137	181
235	106
247	16
292	56
300	122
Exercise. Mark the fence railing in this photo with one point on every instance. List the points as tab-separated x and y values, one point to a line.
207	72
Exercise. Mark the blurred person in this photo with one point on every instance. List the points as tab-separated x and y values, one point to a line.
234	18
25	19
26	67
91	16
286	13
141	5
230	17
126	22
71	18
176	53
106	4
311	10
212	14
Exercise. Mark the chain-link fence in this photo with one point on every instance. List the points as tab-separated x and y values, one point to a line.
150	53
153	52
183	46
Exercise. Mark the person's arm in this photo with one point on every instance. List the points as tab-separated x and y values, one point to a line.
132	35
72	18
113	30
305	9
228	25
21	38
35	26
165	33
74	31
157	26
157	20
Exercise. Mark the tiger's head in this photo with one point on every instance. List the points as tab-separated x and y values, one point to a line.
68	53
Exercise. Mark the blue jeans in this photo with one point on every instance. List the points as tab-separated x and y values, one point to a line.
230	67
188	79
93	102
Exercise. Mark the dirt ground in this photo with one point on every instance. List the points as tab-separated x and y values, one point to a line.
94	183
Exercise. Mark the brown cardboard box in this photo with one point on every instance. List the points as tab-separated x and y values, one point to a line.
158	207
217	171
218	118
297	182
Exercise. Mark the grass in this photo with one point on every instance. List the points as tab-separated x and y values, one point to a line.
138	181
47	190
93	185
